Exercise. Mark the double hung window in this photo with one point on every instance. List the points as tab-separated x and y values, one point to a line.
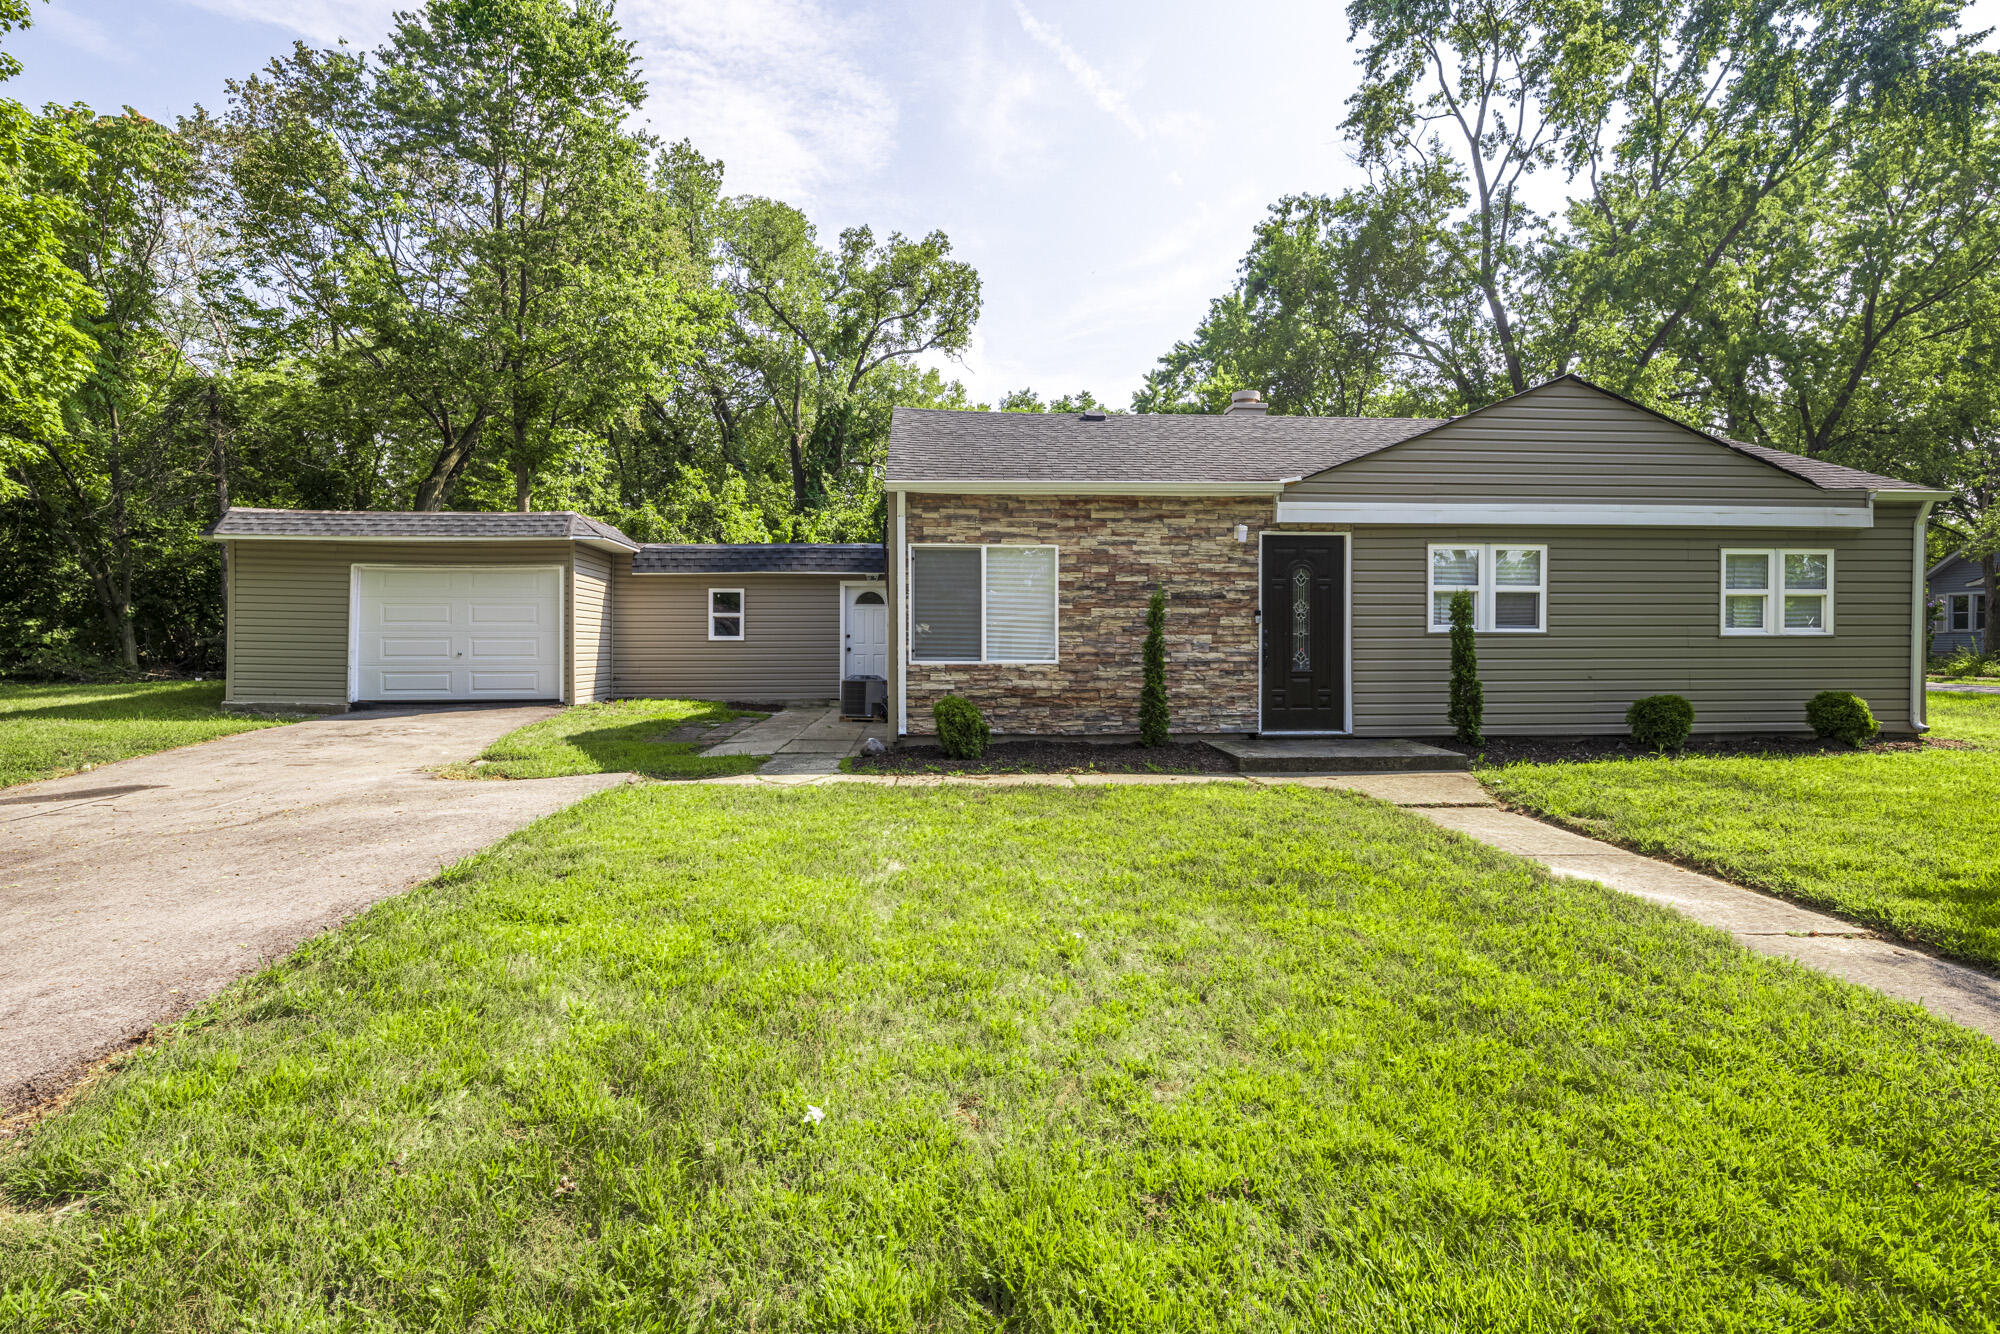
973	603
1965	612
1509	585
1766	592
725	613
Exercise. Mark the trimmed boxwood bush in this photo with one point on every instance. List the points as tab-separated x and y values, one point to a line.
1660	722
961	731
1840	715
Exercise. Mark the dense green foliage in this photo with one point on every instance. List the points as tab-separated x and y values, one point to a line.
1903	842
1136	1058
1153	715
961	730
1466	707
1660	722
655	737
47	731
1841	715
444	274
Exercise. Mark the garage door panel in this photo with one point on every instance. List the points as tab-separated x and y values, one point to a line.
446	634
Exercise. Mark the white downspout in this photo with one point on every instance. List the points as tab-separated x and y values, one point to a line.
1919	622
902	620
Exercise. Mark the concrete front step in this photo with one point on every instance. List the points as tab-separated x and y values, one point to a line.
1336	755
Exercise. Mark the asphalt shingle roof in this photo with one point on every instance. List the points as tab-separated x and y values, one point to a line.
336	524
760	558
938	445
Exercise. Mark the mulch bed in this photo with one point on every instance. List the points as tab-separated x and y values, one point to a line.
1580	749
1053	757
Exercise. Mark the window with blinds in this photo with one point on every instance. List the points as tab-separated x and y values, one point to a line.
1509	586
1775	592
982	604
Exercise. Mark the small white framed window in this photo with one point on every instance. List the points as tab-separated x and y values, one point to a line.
1509	583
1965	613
725	613
1776	592
982	603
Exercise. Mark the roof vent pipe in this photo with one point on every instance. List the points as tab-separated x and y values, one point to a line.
1246	400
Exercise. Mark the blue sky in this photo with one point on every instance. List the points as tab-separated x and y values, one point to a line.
1101	164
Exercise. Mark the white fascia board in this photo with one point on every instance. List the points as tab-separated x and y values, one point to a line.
1543	514
1042	488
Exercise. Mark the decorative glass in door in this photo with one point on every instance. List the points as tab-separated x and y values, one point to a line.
1302	618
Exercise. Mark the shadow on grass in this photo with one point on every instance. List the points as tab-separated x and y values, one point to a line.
124	702
622	736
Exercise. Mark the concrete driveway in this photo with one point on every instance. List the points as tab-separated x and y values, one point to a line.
132	892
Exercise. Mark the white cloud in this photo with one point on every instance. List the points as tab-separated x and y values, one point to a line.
1098	88
83	34
361	22
775	88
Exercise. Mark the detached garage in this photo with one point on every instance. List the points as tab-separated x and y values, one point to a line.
329	609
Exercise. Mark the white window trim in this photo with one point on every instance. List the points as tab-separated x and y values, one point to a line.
742	616
1055	604
1483	595
1773	592
1975	603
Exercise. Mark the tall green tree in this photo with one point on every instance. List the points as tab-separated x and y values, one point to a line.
44	351
466	213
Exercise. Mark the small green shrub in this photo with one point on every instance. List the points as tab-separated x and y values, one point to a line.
1153	716
1660	722
1965	662
961	731
1839	715
1467	711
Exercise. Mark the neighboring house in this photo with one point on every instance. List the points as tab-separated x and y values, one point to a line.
1960	584
1309	565
327	609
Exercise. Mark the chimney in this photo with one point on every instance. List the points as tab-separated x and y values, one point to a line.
1246	400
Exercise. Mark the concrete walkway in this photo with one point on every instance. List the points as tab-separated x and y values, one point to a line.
1457	801
132	892
1963	688
802	741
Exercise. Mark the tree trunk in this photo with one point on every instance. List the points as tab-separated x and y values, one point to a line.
524	486
448	464
221	480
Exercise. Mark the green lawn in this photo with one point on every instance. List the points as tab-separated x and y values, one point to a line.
47	731
1904	842
1121	1058
622	736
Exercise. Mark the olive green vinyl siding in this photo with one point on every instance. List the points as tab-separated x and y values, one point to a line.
1562	443
591	615
288	608
1634	612
790	650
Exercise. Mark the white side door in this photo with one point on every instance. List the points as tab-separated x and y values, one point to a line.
457	633
866	651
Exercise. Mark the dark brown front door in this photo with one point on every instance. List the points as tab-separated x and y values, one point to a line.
1304	605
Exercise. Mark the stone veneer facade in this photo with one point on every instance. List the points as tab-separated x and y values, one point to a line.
1110	551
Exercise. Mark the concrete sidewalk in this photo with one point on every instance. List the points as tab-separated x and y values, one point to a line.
802	741
1458	802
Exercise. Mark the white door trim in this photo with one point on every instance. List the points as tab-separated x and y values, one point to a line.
846	605
354	617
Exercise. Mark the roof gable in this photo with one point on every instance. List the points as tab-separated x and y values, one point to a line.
1568	433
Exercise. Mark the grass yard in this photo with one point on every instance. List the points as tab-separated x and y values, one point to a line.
47	731
1120	1058
1904	842
621	736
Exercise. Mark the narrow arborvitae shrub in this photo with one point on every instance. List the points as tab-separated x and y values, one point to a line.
961	730
1660	722
1839	715
1153	694
1468	700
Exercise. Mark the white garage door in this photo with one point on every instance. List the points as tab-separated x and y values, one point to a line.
428	633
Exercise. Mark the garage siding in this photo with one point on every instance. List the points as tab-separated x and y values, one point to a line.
1634	612
790	650
590	652
288	608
